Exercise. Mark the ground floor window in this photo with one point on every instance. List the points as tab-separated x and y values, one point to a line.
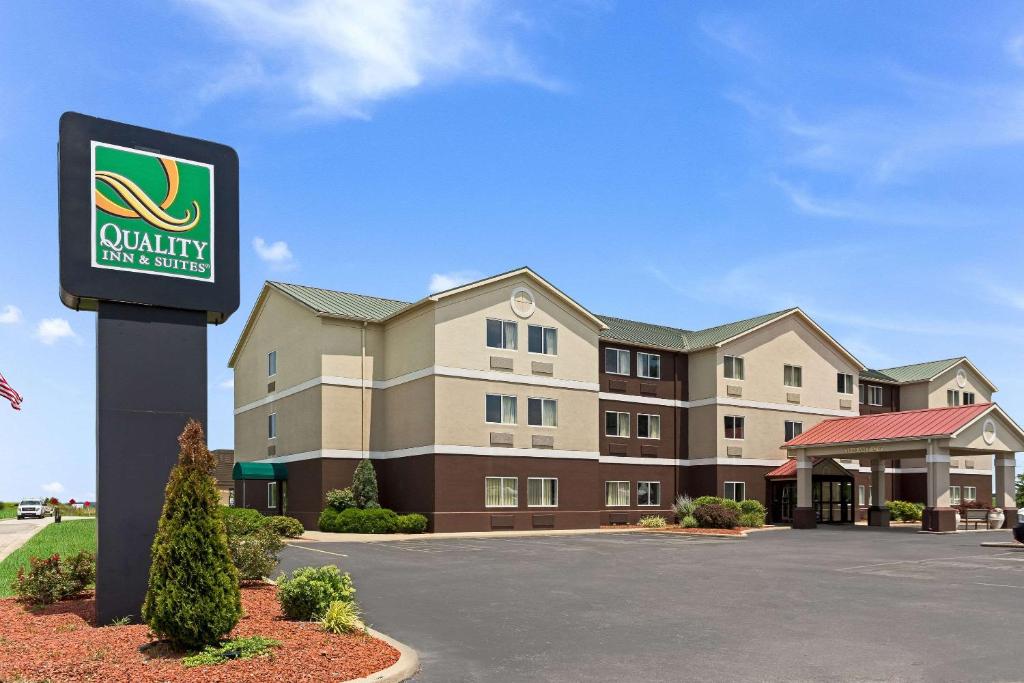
970	493
735	490
863	499
272	494
501	492
541	492
648	493
616	493
954	495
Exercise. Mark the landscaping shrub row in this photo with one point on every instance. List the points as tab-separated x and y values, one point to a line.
712	512
371	521
905	511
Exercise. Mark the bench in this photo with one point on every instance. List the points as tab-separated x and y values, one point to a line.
976	516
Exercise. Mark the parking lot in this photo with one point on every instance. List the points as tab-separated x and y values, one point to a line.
831	603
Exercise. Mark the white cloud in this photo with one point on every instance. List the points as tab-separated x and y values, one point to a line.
52	330
53	488
338	56
277	254
10	315
442	281
228	383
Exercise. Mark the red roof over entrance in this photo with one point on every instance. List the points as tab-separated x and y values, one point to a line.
787	470
908	424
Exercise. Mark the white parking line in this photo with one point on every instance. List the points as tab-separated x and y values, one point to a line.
316	550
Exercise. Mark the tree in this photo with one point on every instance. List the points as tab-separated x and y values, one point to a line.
364	485
1020	490
193	598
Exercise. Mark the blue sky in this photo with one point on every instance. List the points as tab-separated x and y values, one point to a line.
668	162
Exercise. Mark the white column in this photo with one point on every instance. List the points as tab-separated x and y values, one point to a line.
804	470
937	461
878	495
1005	490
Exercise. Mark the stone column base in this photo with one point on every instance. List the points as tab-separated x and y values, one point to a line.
804	518
938	519
878	516
1011	518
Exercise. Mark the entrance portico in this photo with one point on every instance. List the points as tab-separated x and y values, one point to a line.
933	436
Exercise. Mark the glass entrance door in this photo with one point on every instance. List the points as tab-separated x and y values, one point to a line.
832	500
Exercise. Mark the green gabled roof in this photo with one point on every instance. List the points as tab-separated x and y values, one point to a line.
711	336
877	376
343	304
918	372
645	334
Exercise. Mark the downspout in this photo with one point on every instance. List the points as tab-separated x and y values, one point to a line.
362	392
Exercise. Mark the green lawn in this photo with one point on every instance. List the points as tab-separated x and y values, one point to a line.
9	510
66	538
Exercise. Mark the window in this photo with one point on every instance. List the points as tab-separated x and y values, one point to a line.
616	361
542	339
733	367
272	494
969	398
501	492
542	412
970	493
733	427
793	429
272	426
648	426
648	365
954	495
502	334
501	409
861	496
541	492
616	493
863	393
616	424
648	493
735	490
874	396
952	397
844	383
271	363
792	375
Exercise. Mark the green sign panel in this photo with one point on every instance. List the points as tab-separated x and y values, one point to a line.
152	214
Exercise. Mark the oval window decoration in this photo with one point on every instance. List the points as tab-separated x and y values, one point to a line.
961	378
523	303
988	431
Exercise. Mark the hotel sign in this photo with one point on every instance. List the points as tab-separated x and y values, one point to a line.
864	449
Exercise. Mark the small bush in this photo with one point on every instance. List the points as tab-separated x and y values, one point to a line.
751	506
239	648
684	506
364	484
308	592
715	516
50	579
286	527
80	569
653	522
255	554
240	521
751	520
688	522
411	524
342	617
715	500
905	511
341	499
356	521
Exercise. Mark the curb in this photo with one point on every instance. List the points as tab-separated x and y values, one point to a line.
405	668
1002	544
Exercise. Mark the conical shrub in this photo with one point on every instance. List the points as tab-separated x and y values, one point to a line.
364	485
193	598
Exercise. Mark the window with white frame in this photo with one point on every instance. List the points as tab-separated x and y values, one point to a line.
844	383
735	490
542	339
648	426
863	393
734	426
733	366
542	412
952	397
874	396
500	409
793	429
616	493
272	426
970	493
616	361
271	363
969	398
648	365
862	495
954	495
792	375
502	334
501	492
272	494
616	424
541	492
648	493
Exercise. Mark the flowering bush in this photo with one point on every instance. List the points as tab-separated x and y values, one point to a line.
715	516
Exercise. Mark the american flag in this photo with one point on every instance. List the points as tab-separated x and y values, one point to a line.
8	392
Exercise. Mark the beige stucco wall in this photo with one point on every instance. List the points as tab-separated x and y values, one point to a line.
915	396
298	426
764	431
403	416
947	380
340	342
703	422
704	368
1005	440
409	342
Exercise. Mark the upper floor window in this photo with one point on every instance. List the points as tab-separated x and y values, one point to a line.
501	409
542	339
874	395
969	398
648	365
844	383
542	412
952	397
502	334
272	426
735	490
616	361
793	429
541	492
792	375
271	363
648	426
734	426
733	367
616	424
863	392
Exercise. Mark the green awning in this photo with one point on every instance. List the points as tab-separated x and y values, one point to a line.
275	471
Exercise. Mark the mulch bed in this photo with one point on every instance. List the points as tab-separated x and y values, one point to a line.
62	643
738	531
